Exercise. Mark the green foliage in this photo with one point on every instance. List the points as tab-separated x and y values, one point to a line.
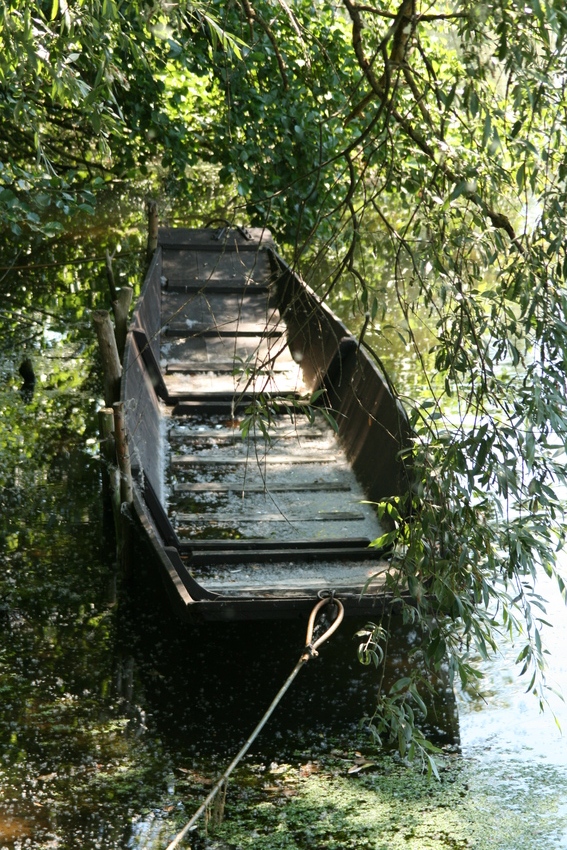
84	99
283	120
261	416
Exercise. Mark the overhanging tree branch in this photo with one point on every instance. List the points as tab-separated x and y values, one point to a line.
400	33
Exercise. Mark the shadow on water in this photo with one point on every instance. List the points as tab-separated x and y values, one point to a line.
207	685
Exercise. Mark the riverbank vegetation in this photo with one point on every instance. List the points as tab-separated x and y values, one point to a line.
403	153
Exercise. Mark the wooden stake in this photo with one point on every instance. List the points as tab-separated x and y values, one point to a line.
106	431
112	370
110	475
124	553
121	307
122	454
151	208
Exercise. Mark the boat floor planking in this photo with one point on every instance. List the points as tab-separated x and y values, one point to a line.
258	526
266	511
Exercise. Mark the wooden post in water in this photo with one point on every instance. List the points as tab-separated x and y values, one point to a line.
111	475
151	208
126	492
121	307
110	479
112	370
122	453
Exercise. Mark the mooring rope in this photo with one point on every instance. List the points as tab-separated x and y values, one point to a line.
309	652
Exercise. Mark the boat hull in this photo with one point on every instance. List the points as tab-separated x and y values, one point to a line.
259	433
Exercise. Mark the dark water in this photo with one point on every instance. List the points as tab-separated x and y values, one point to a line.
105	701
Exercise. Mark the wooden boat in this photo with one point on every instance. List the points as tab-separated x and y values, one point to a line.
259	430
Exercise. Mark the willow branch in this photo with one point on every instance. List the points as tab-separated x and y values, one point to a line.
498	220
392	15
252	16
401	31
296	27
364	63
419	97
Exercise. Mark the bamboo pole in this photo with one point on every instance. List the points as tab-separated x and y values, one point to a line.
112	369
152	211
121	307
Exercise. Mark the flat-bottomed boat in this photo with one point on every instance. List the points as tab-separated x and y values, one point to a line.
261	433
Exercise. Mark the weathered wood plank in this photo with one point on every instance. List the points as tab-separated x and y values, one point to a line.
234	328
204	265
171	237
265	479
341	579
280	426
234	435
268	460
297	563
277	487
187	367
240	351
187	384
226	248
212	307
337	545
244	519
230	397
239	286
235	403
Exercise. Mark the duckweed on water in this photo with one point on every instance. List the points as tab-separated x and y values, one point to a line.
390	807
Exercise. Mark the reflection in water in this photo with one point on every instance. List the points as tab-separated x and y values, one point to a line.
507	723
70	766
209	684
